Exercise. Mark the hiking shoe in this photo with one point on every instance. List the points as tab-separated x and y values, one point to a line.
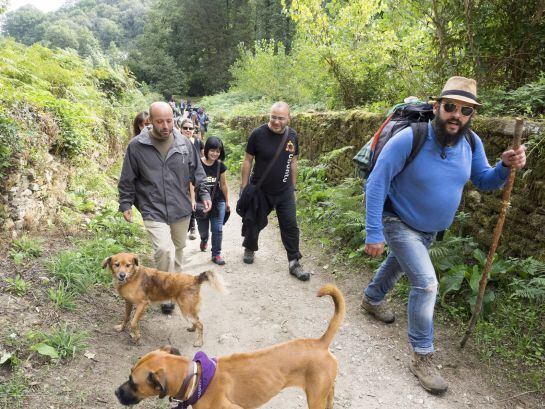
192	234
167	309
297	271
248	256
423	368
203	245
218	260
381	311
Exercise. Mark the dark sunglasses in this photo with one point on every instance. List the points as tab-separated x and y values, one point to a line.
451	107
186	128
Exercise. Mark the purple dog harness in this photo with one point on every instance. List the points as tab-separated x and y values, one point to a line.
208	369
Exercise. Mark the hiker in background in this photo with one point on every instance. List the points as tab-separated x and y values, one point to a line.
204	120
407	205
141	120
172	104
275	148
188	130
216	182
158	167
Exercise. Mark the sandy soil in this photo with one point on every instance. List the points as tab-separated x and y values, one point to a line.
265	305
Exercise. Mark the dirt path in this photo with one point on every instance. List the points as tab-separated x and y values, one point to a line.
265	306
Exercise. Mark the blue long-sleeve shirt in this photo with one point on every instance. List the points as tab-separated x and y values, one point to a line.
426	194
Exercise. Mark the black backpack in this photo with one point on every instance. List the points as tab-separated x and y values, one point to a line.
414	114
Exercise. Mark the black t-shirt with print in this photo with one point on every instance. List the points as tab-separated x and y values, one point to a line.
263	144
210	181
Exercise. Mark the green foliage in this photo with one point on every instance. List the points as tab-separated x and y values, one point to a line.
374	50
85	26
269	71
25	248
79	269
109	223
62	342
13	391
334	212
515	333
194	57
234	103
62	104
62	297
10	144
17	285
528	100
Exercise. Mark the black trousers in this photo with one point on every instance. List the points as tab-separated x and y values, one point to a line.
284	204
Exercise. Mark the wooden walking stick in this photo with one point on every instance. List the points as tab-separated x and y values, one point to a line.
496	237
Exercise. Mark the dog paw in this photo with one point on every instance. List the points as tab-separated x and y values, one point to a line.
197	344
135	337
119	327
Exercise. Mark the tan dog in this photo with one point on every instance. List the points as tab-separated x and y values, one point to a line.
244	381
140	286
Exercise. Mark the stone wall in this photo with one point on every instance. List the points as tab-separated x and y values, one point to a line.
524	230
33	195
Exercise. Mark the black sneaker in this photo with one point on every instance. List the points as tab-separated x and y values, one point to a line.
297	271
167	309
248	256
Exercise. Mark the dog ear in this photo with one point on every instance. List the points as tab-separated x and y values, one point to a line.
106	262
159	381
135	259
171	350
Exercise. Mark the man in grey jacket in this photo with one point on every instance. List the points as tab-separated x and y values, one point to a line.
158	167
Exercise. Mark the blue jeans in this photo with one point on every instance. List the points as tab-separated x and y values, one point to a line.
408	253
216	225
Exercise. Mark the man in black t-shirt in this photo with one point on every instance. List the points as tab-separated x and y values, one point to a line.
278	187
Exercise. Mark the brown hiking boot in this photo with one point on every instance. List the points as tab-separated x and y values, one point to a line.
423	368
381	311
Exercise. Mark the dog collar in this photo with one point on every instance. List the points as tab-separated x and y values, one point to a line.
208	370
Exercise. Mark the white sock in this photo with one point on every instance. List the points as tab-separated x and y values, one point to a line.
292	263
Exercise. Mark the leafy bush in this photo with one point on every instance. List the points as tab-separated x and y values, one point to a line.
89	101
528	100
269	71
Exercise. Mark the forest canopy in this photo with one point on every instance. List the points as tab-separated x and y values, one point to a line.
335	53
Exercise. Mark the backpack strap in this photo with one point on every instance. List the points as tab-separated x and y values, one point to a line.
470	138
420	133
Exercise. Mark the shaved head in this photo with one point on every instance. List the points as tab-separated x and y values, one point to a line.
162	119
281	105
279	117
160	108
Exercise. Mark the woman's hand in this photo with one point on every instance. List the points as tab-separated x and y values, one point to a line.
227	207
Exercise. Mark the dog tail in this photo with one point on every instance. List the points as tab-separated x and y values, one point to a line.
338	316
215	280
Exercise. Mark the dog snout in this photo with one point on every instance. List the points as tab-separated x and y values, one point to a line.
126	396
121	275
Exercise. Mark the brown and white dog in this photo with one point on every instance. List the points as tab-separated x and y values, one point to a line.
140	286
246	380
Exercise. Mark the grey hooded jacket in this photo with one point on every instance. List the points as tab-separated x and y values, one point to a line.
159	187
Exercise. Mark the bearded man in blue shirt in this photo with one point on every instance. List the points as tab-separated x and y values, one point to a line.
408	205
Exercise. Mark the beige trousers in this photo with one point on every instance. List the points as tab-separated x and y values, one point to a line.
168	242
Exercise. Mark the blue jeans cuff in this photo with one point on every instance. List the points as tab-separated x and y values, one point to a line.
424	351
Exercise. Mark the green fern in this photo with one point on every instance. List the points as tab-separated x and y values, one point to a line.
533	290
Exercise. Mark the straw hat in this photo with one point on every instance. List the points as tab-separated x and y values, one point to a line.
460	89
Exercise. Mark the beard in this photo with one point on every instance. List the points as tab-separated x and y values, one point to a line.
443	136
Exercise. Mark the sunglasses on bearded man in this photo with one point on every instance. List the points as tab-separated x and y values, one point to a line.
451	107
